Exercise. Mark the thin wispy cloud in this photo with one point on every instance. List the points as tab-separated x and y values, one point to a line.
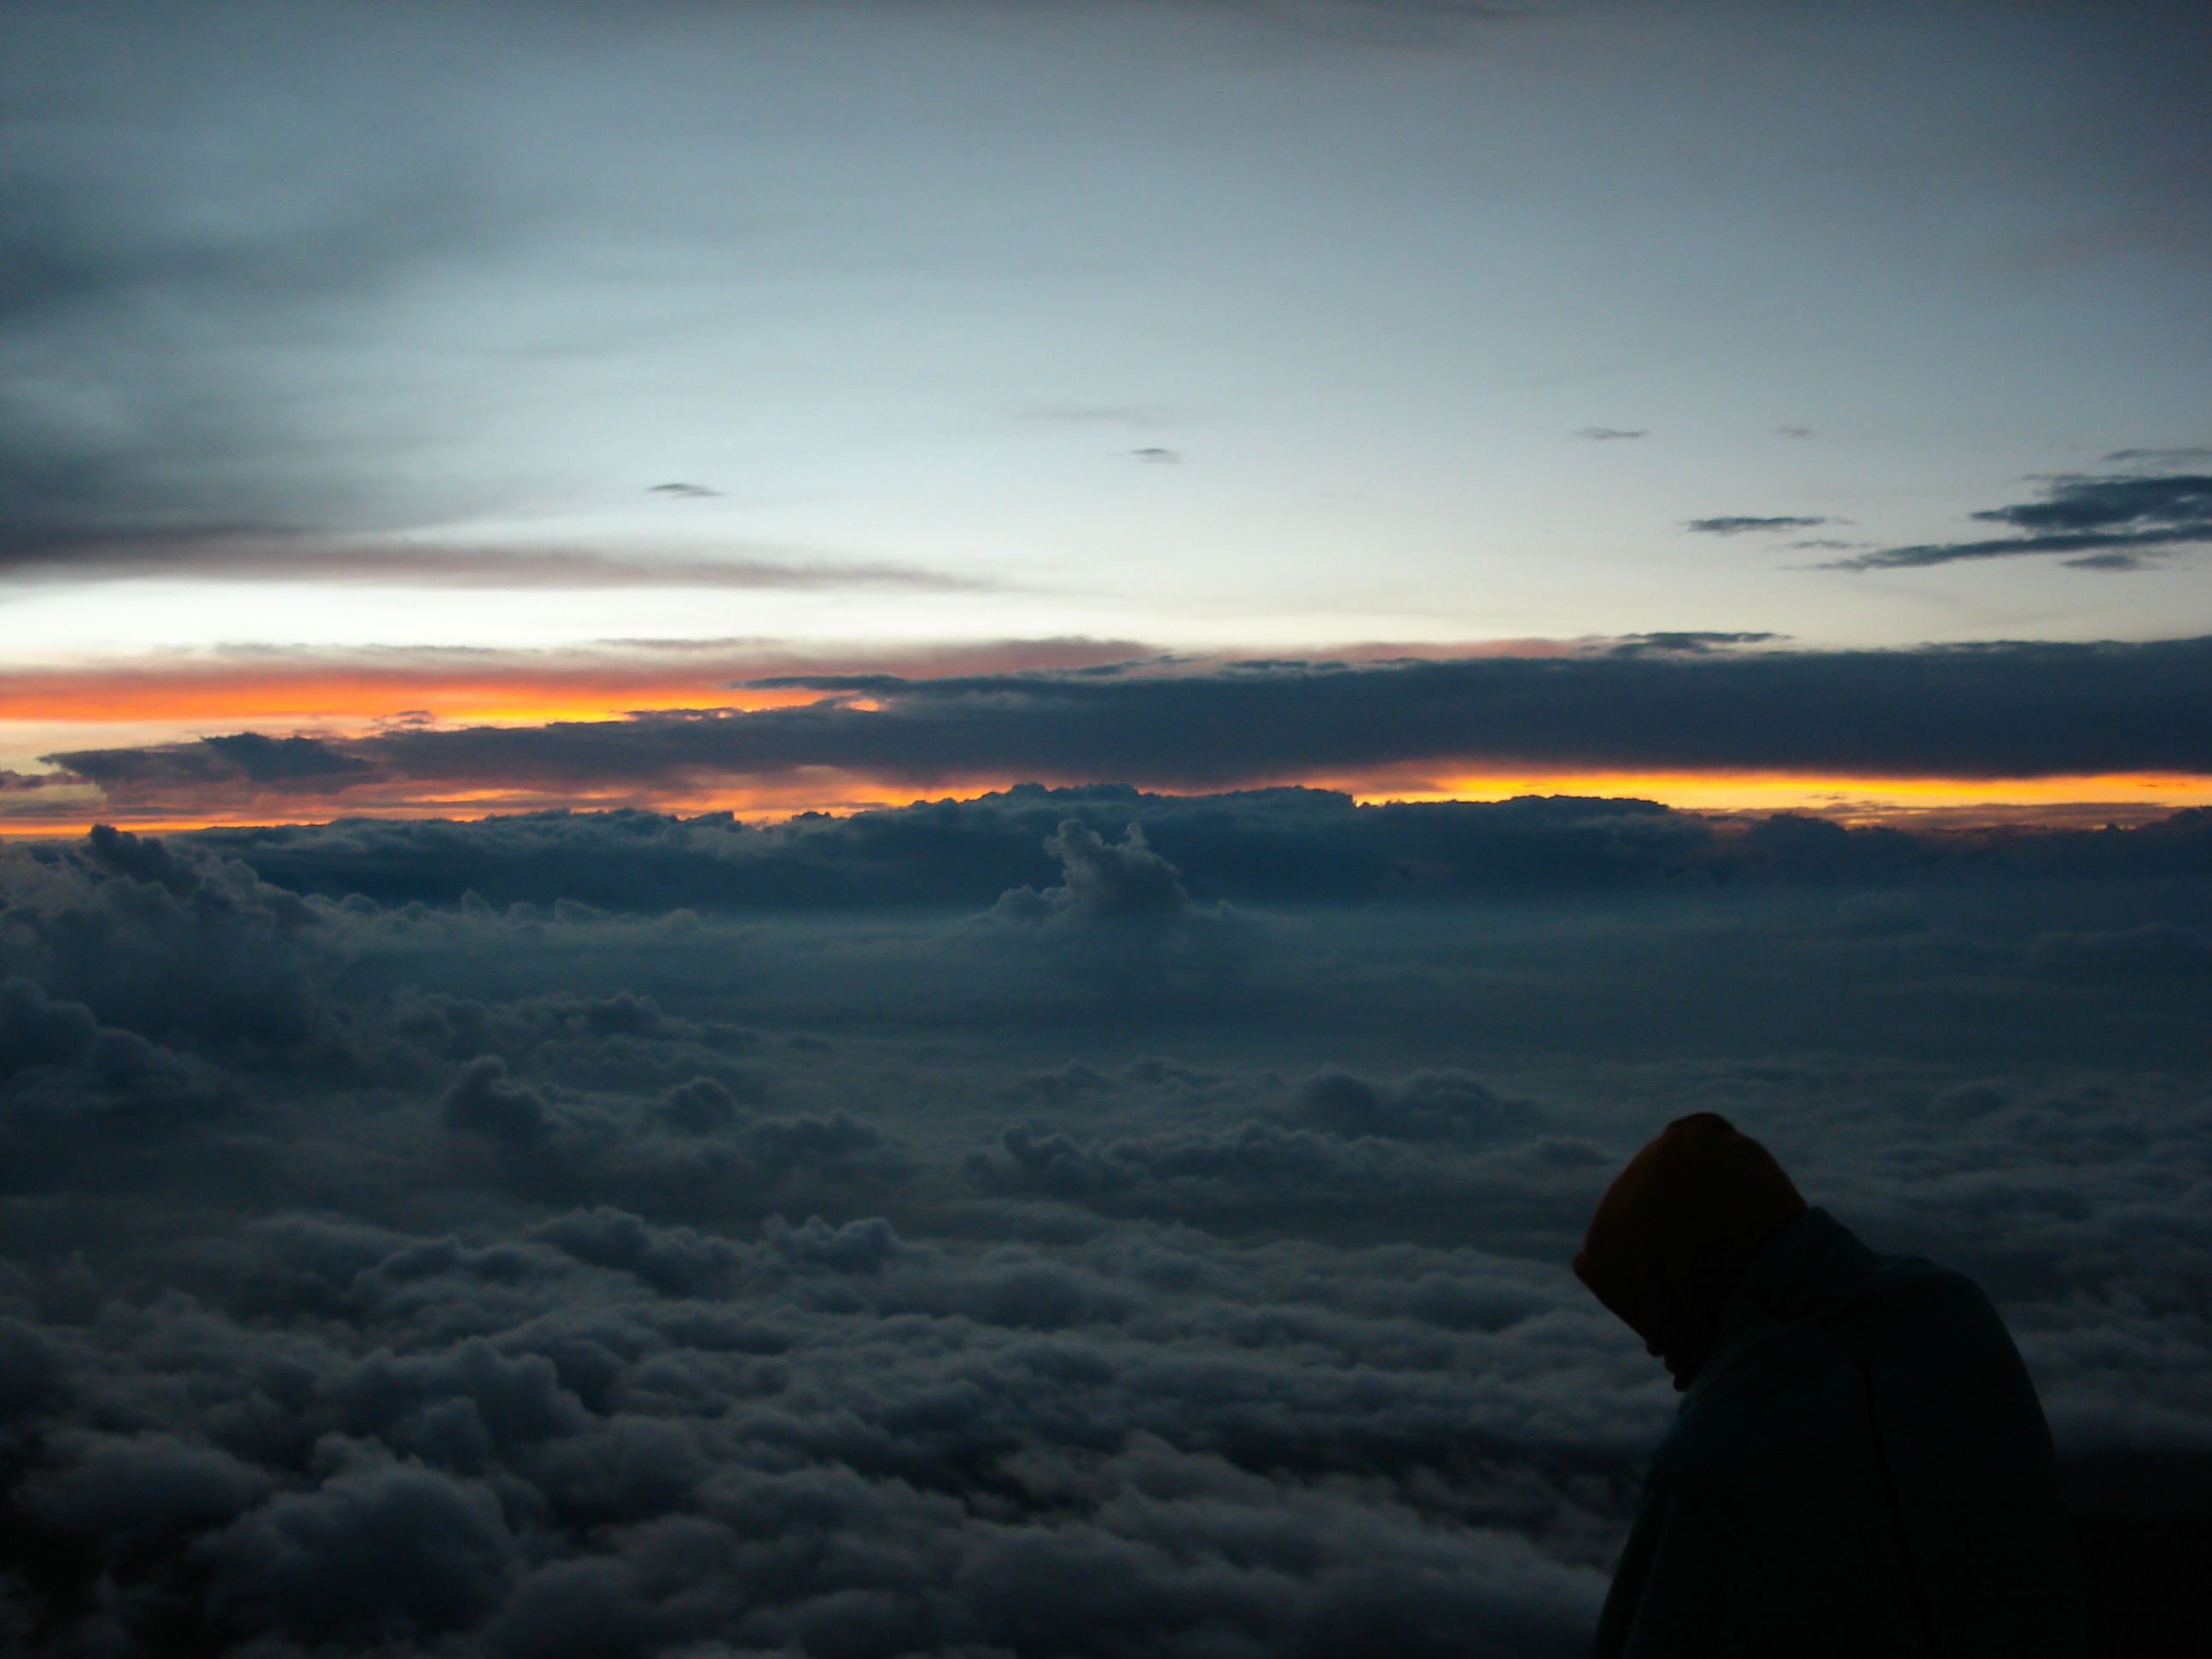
272	559
2186	456
1697	644
2107	522
1744	526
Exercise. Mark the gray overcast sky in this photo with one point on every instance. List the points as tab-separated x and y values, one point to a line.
1224	325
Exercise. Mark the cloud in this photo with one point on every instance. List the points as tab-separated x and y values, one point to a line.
172	944
1692	644
1792	429
2182	456
2071	504
1741	526
1157	457
429	683
285	761
2106	518
2111	561
1999	709
847	1292
1120	921
143	264
1605	434
1004	851
684	491
1012	847
264	558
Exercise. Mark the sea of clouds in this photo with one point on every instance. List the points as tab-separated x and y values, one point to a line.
1070	1223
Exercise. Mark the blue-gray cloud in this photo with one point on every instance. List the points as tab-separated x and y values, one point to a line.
1741	527
2107	522
663	1281
286	558
1998	709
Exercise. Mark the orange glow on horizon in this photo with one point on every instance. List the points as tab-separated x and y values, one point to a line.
2147	794
2121	798
176	698
361	699
358	691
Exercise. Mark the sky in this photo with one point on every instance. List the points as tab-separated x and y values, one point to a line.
511	363
855	830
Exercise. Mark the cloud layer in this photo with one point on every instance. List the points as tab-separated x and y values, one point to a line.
1016	1276
1271	847
1995	710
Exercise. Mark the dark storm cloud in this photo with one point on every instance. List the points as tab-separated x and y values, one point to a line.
1739	526
2001	709
2105	519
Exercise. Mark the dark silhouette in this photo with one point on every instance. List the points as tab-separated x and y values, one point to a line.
1860	1465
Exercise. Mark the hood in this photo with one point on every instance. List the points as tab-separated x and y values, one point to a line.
1678	1231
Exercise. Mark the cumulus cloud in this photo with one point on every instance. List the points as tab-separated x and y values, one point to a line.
515	1275
1121	921
2106	521
1277	847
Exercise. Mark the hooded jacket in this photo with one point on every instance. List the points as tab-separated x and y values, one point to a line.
1860	1467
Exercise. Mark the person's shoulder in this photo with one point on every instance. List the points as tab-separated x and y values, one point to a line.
1820	1274
1908	1298
1773	1384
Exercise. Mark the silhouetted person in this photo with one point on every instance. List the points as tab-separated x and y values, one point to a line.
1860	1465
